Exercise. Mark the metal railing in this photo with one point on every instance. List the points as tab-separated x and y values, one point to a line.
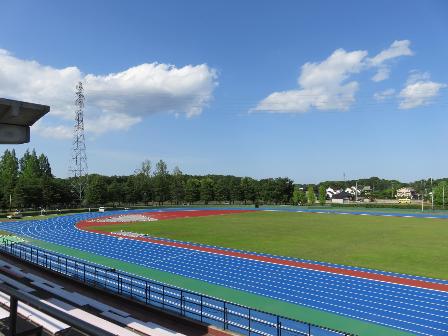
206	309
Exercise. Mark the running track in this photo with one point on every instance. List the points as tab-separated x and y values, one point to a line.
413	304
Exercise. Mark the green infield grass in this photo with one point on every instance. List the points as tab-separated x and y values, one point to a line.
404	245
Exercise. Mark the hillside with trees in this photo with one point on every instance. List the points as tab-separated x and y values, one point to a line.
28	183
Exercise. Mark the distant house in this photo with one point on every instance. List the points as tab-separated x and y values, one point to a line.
366	190
330	192
342	197
406	192
353	191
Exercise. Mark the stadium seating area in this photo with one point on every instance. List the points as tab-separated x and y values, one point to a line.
86	308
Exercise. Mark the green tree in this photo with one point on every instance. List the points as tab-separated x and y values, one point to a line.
222	191
115	192
297	197
283	189
30	180
9	170
145	169
267	190
235	189
441	193
322	194
177	186
310	195
143	183
132	193
247	188
29	165
44	167
192	190
62	195
161	182
96	191
46	181
207	185
19	194
47	187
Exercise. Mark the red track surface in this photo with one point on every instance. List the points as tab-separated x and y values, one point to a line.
159	216
84	225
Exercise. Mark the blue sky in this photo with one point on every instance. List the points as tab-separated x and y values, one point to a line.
304	89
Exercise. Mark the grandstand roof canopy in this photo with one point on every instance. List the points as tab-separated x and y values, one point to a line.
16	117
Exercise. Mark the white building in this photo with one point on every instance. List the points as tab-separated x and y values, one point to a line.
330	192
406	192
353	191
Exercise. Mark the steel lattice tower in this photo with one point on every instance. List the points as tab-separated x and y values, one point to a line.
78	167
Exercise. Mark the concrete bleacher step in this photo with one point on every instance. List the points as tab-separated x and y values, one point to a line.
84	300
90	318
15	284
3	313
4	299
11	269
36	279
47	322
36	316
69	296
14	270
78	299
147	328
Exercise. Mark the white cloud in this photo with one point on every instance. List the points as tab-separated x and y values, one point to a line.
102	124
150	88
419	90
31	81
381	74
58	132
397	49
327	86
417	76
383	95
112	121
113	102
322	85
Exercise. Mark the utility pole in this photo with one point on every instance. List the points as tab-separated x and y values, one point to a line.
432	196
443	195
422	196
78	165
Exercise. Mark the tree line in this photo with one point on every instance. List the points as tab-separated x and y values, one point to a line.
157	185
28	182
